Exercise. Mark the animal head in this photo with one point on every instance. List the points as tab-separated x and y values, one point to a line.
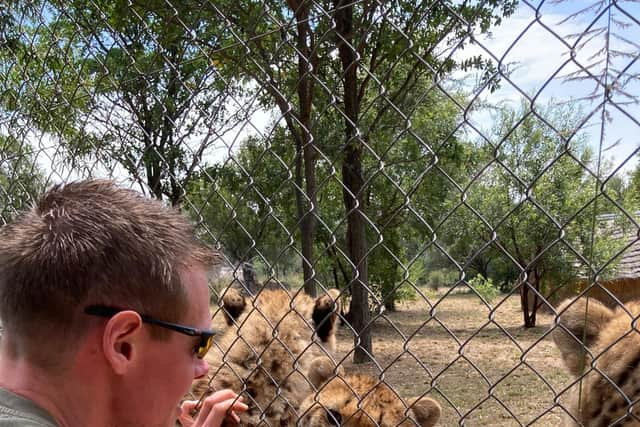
358	400
276	303
265	352
600	346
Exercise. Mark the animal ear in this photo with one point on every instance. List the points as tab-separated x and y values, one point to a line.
321	369
233	304
425	411
325	314
579	324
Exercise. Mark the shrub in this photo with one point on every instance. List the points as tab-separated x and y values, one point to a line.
484	287
441	277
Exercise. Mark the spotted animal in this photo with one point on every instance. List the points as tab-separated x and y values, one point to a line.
600	347
266	351
357	400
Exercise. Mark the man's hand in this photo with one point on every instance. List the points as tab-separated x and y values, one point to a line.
213	410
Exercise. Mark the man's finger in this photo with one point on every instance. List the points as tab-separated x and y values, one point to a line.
194	408
220	409
221	395
185	418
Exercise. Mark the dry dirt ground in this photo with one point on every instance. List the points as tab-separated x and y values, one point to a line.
483	367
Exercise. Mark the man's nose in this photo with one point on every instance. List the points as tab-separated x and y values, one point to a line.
202	368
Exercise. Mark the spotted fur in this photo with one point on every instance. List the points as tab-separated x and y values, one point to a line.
609	368
357	400
266	352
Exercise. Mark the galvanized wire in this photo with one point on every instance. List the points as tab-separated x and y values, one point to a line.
224	78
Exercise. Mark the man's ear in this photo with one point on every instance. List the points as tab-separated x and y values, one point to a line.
121	340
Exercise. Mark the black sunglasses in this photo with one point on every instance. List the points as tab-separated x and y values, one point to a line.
201	349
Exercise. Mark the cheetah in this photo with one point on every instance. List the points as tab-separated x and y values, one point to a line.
601	349
265	352
358	400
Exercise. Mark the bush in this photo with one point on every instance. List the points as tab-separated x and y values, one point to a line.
406	292
435	279
484	287
441	277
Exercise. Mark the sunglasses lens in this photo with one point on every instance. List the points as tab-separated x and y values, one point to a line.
204	346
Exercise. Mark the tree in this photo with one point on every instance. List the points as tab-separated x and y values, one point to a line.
367	60
21	180
406	200
604	54
122	85
335	55
282	55
535	204
244	204
607	68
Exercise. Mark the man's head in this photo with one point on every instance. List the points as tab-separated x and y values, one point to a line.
85	243
93	244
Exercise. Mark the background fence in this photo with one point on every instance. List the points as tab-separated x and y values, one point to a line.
453	166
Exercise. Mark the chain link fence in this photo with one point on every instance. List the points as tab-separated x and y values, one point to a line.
455	168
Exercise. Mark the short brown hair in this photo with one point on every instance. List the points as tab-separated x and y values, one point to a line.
93	242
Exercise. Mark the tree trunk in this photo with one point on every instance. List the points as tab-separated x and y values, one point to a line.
309	220
307	62
337	266
529	289
481	265
353	185
250	278
390	300
334	272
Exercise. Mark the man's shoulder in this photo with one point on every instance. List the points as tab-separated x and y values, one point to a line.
10	417
17	411
18	421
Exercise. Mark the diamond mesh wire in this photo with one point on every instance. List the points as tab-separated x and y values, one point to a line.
456	169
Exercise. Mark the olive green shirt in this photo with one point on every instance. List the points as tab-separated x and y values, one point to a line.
16	411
